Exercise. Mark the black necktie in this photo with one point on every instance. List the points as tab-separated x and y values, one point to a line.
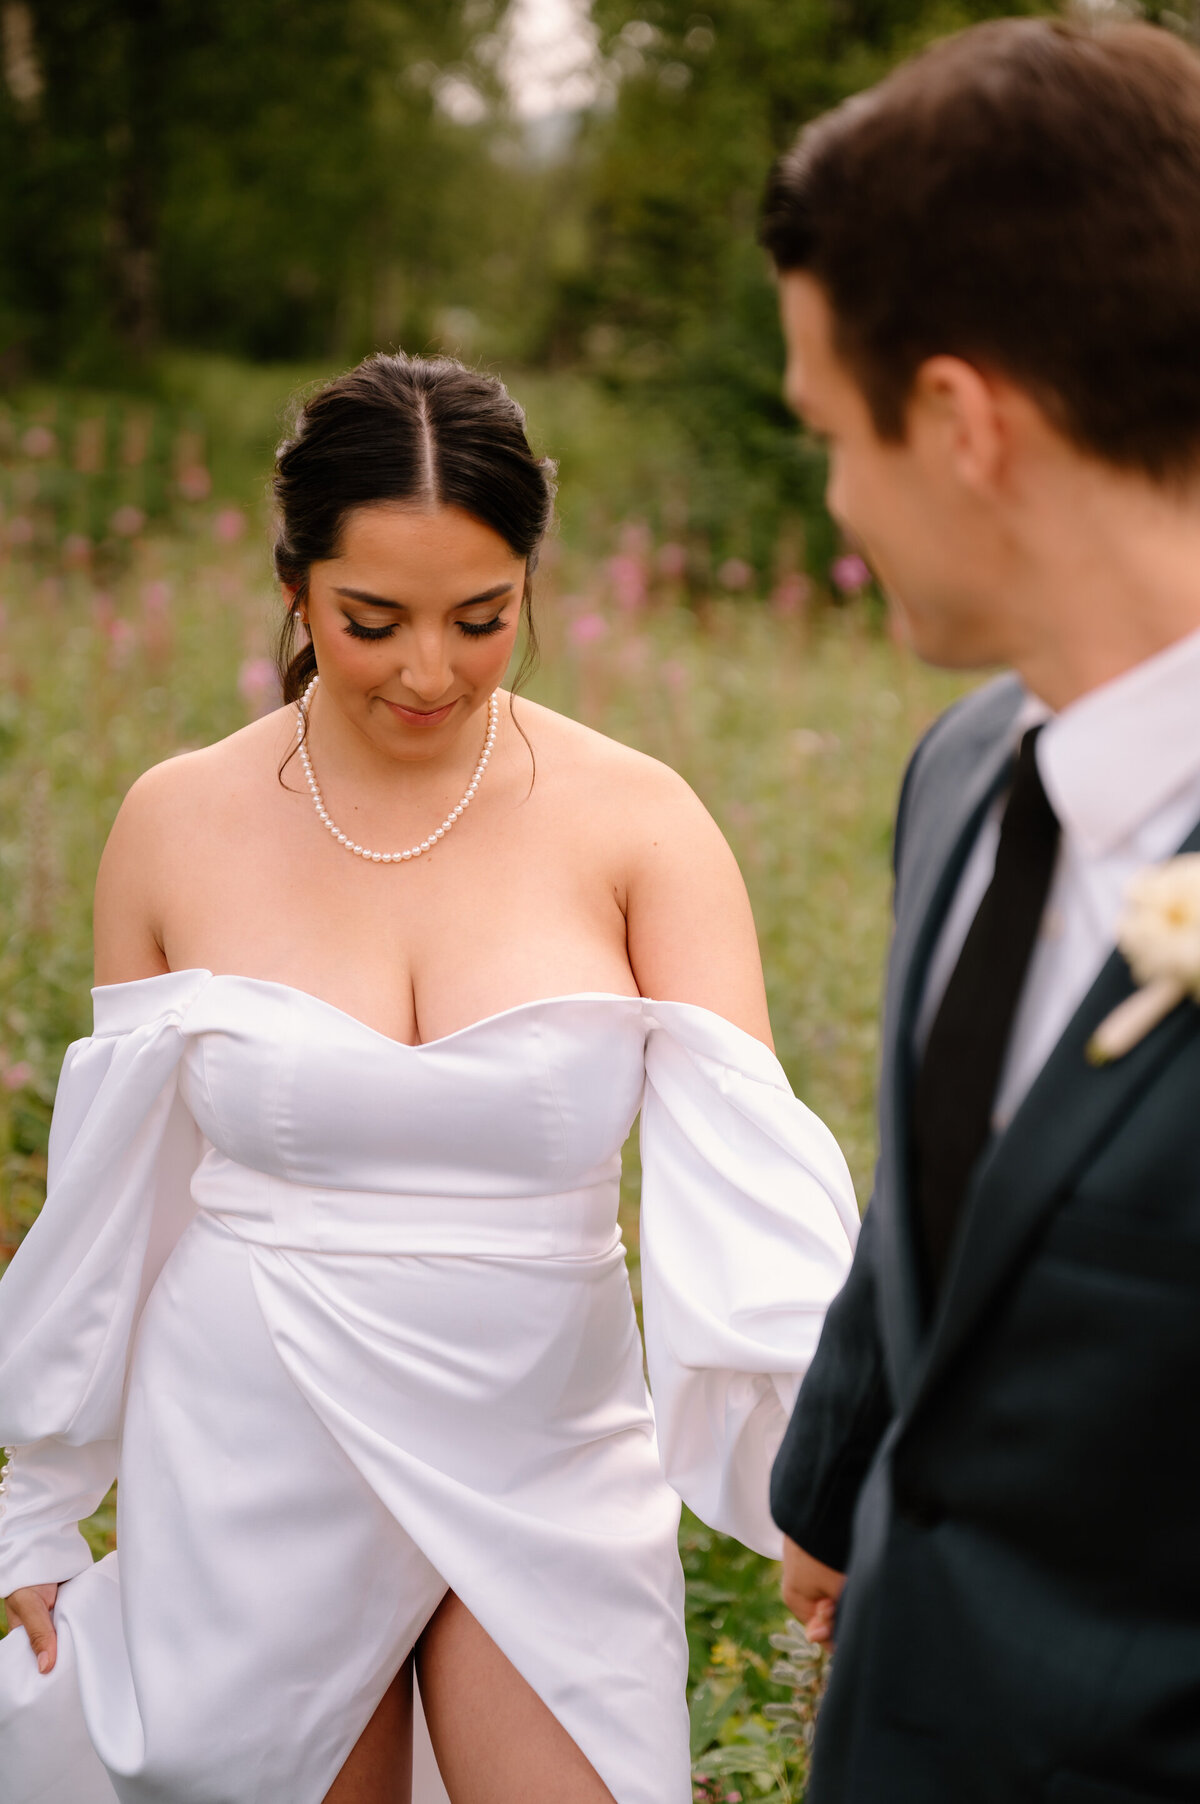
956	1084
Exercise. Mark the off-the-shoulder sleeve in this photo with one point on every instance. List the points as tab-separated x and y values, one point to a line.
748	1226
122	1150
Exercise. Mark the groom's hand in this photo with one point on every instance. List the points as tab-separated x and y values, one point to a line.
810	1591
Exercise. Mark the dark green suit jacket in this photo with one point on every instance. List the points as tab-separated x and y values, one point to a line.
1013	1484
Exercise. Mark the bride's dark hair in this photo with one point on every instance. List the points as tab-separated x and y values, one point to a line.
425	430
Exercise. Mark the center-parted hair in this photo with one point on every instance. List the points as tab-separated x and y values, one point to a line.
1025	195
422	431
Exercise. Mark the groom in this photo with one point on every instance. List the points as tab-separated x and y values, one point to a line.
990	279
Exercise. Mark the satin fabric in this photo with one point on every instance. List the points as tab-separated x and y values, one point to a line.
356	1315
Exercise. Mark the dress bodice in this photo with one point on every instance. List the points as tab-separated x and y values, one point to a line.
536	1100
478	1173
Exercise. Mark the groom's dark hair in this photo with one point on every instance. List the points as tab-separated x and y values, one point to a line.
1026	195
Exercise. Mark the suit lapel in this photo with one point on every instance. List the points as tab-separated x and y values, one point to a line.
930	869
1067	1114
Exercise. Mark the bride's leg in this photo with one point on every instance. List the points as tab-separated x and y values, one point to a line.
379	1770
496	1741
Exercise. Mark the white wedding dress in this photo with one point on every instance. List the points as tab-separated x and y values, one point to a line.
350	1320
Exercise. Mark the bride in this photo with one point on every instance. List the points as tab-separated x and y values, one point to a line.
329	1270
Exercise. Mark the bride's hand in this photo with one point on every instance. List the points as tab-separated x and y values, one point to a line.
30	1607
811	1591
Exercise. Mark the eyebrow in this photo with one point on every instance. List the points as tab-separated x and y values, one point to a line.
380	601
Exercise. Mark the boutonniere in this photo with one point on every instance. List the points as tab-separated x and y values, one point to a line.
1159	935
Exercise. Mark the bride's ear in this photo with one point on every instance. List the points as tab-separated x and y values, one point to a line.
295	602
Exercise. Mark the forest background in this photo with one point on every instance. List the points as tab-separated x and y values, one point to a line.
205	206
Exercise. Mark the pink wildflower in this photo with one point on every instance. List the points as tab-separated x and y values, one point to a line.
121	640
17	1076
675	675
672	562
258	684
587	629
20	530
195	483
229	525
849	573
735	574
76	550
39	441
128	521
156	597
627	574
790	595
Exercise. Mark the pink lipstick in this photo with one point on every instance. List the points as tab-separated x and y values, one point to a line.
413	717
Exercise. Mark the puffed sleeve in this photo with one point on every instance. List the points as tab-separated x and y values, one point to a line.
748	1226
122	1150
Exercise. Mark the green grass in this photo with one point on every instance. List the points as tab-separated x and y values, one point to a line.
793	730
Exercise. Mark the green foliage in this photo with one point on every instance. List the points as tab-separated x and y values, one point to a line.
680	307
226	174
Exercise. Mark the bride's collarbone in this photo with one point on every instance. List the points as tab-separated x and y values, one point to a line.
412	954
519	902
499	863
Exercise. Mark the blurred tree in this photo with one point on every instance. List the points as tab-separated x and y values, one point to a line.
233	173
677	299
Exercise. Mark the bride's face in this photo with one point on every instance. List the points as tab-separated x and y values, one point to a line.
413	623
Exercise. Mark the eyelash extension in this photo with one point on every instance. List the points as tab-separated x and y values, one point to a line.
472	630
368	632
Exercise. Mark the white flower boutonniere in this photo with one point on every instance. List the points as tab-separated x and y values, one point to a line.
1159	934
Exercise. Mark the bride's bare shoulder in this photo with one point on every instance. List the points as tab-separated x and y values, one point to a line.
194	789
575	754
689	931
169	824
239	757
599	780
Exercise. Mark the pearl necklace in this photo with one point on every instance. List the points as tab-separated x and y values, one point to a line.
426	845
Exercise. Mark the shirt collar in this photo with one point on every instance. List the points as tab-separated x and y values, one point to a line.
1116	756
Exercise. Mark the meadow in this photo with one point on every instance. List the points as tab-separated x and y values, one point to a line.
137	616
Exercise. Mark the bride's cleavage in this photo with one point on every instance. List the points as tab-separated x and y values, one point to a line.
419	1044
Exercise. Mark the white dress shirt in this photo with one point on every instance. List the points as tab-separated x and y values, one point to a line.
1121	768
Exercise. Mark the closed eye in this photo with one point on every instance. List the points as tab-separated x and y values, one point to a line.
472	629
368	632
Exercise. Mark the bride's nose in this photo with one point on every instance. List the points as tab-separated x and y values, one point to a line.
426	671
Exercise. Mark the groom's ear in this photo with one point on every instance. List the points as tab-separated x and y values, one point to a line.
960	419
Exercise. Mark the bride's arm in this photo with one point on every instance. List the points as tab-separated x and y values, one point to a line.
121	1151
127	916
691	935
748	1212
